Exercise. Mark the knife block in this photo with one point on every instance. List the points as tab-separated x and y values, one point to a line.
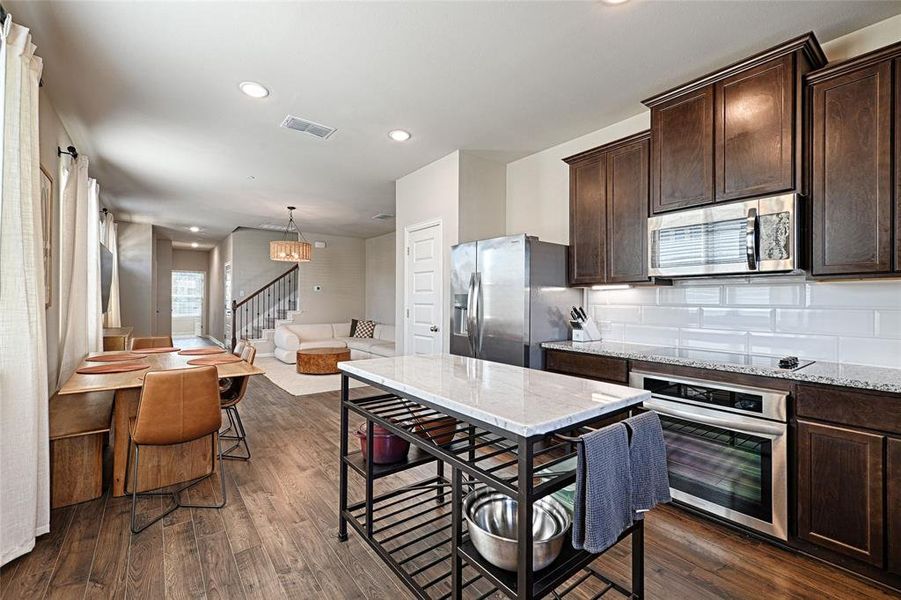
588	333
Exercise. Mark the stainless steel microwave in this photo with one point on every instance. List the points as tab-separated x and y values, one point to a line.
755	236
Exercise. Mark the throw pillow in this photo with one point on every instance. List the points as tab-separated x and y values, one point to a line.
353	326
365	329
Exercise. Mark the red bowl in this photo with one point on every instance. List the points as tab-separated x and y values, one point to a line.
387	447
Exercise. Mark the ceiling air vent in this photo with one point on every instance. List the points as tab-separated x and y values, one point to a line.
302	125
383	217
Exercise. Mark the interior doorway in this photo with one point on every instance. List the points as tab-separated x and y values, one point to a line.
423	285
188	303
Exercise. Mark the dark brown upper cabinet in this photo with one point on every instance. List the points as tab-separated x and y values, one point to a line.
840	490
735	133
852	211
608	212
682	134
587	219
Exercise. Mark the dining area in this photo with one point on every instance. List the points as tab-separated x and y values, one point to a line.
153	420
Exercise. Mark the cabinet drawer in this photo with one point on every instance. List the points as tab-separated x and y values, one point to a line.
858	408
587	365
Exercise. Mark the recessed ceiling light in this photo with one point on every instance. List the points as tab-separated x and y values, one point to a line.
399	135
253	89
194	244
193	228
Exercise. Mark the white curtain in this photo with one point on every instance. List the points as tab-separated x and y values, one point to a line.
109	232
79	263
24	462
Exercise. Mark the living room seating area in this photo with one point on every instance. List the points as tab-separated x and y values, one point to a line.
290	338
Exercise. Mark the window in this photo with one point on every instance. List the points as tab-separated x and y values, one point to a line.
187	294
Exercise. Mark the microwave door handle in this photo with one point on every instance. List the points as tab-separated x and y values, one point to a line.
737	423
751	239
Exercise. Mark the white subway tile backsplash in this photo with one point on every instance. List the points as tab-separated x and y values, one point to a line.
870	351
765	295
873	294
855	322
888	323
611	332
620	314
742	319
689	295
835	322
818	347
712	339
656	336
671	316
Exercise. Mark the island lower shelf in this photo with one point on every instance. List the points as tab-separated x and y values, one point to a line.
418	529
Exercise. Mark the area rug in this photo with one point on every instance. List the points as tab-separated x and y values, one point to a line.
287	378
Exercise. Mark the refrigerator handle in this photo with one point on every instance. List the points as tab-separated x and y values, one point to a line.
478	314
470	320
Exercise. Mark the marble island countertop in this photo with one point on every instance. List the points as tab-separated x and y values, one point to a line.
521	401
829	373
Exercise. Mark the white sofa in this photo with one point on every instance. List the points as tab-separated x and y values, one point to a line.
291	338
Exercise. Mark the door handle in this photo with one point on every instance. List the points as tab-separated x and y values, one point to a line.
470	322
433	329
751	239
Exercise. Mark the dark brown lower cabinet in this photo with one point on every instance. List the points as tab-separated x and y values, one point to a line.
841	488
893	503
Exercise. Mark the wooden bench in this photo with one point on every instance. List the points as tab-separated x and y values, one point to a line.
79	424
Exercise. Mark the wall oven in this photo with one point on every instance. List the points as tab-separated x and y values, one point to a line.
740	237
726	448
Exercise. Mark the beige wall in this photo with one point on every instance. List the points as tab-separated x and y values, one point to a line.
380	278
482	197
162	285
339	270
538	185
432	192
136	276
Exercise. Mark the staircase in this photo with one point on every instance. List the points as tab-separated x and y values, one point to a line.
255	317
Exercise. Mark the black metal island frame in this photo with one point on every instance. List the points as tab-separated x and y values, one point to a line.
506	424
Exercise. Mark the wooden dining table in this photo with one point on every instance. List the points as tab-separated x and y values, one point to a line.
164	465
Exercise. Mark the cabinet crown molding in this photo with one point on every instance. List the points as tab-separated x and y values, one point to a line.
855	62
806	43
593	153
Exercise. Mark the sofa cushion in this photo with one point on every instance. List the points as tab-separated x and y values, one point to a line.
341	330
383	349
359	344
384	332
365	329
311	332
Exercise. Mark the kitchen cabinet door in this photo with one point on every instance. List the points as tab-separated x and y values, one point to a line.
851	184
893	503
627	212
588	220
841	490
682	151
754	130
898	164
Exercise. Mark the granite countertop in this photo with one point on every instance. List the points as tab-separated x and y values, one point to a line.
848	375
521	401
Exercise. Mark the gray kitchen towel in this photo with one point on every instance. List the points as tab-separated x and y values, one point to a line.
647	457
602	506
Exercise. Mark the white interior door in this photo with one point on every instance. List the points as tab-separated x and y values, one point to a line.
424	298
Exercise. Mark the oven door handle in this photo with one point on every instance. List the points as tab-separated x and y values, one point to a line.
738	423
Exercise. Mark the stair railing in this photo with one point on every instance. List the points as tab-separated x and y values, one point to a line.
264	307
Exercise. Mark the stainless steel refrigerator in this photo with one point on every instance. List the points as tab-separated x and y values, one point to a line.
508	295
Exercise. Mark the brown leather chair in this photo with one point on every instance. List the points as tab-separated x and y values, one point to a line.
161	341
229	402
175	407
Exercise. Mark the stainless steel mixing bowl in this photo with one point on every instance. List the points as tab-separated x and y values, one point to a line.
492	520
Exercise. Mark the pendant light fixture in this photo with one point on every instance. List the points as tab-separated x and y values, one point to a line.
286	250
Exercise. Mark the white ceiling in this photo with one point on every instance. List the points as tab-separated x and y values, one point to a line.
149	90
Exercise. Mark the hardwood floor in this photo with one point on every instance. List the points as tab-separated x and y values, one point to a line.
276	536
